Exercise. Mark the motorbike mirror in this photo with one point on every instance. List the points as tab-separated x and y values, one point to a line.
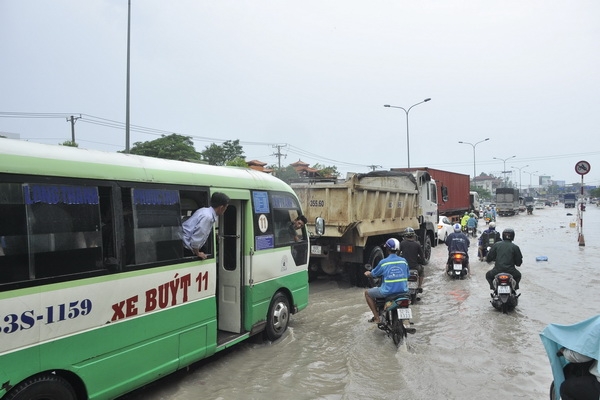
368	267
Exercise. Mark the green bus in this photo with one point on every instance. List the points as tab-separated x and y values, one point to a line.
98	296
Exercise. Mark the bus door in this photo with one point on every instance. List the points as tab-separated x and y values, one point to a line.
230	267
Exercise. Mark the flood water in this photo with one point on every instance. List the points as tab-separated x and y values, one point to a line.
463	347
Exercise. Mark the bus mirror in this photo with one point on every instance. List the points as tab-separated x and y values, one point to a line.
319	226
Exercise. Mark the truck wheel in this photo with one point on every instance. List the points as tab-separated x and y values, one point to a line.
375	256
426	249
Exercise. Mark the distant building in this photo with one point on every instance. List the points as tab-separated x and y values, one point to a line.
304	171
487	182
259	166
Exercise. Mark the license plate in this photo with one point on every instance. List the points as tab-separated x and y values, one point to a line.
315	249
404	313
457	267
413	285
503	289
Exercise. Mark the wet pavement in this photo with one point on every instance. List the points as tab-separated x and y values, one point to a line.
463	347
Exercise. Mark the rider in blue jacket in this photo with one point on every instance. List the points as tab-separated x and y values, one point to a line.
394	272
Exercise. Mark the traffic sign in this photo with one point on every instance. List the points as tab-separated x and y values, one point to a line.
582	167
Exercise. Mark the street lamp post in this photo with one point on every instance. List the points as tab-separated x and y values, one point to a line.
530	173
474	145
520	168
407	135
504	170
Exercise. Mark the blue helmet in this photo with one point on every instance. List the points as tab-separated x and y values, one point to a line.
392	244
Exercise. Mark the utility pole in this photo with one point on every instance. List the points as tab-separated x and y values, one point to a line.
279	154
374	167
73	120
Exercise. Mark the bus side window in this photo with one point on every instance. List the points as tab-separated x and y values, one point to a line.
190	202
188	206
156	225
14	259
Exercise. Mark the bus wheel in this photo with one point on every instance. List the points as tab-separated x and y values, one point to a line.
44	386
278	317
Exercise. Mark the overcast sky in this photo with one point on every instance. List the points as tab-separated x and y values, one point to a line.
314	76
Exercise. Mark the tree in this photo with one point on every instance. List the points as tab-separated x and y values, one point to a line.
483	193
328	172
220	155
286	174
69	143
595	192
172	147
237	162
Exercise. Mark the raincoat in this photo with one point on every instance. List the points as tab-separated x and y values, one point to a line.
582	337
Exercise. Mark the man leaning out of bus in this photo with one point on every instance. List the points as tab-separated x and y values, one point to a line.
197	228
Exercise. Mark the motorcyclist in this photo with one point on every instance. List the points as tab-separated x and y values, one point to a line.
458	241
488	238
464	220
507	256
472	222
488	215
411	250
394	272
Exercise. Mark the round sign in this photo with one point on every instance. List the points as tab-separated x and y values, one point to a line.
582	167
263	223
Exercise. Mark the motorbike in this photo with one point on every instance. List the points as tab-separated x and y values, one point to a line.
413	286
529	210
472	232
504	297
457	266
395	314
487	220
571	370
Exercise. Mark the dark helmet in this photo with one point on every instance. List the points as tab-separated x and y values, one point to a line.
408	232
508	234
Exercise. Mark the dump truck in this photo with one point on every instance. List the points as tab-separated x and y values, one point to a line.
453	191
361	213
507	201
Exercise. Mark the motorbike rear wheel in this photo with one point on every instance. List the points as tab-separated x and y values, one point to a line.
398	332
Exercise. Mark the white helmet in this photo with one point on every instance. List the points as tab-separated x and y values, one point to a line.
493	225
457	227
392	244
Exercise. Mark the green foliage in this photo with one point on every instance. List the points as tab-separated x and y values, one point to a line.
172	147
327	172
286	174
69	143
237	162
220	155
483	193
595	192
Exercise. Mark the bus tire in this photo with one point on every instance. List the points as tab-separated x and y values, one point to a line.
44	386
278	317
